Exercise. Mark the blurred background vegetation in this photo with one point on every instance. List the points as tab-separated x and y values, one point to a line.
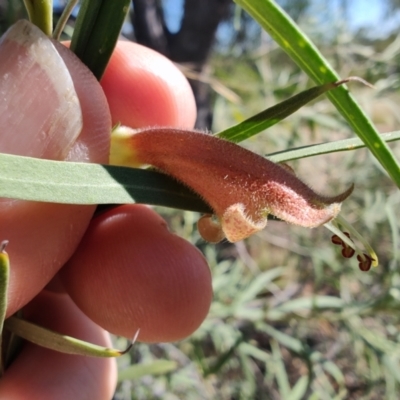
291	319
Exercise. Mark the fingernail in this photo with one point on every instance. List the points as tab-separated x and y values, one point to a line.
40	112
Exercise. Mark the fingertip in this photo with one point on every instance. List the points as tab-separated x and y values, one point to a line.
144	88
137	274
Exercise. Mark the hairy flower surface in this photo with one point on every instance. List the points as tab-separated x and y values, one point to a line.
241	187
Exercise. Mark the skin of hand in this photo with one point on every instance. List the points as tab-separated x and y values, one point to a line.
125	270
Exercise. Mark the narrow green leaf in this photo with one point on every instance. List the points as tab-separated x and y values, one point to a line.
304	304
85	23
273	115
258	285
392	364
80	183
280	371
40	13
334	371
96	32
55	341
297	45
288	341
254	351
299	389
223	358
325	148
375	339
157	367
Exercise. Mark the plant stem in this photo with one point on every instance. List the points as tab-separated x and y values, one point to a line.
64	19
40	13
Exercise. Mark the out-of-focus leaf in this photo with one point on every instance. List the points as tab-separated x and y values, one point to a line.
393	365
299	389
258	285
374	339
280	371
255	352
334	371
305	304
157	367
224	358
288	341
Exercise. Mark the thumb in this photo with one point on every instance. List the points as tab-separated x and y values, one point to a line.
52	108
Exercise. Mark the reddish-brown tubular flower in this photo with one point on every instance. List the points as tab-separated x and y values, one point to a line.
241	187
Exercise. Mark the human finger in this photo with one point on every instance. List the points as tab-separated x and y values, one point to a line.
144	88
136	274
43	236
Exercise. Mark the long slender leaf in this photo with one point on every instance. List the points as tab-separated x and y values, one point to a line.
325	148
280	371
299	389
58	342
304	304
96	32
157	367
273	115
79	183
288	341
297	45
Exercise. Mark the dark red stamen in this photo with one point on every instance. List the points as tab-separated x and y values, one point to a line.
336	240
347	251
364	264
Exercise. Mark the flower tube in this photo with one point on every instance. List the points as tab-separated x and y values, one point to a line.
241	187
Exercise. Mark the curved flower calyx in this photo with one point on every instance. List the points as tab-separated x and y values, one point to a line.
241	187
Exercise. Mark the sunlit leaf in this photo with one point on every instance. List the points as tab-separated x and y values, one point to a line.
80	183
